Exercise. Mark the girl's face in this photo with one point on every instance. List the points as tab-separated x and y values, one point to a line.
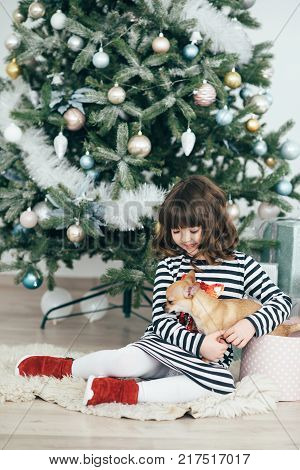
187	238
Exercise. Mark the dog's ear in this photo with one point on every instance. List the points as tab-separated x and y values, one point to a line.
190	291
191	276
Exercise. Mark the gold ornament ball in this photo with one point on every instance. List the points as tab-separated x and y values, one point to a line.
75	233
233	79
270	162
116	95
36	10
13	70
139	146
252	125
75	119
18	17
160	45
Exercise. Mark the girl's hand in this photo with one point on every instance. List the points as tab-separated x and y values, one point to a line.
240	333
213	347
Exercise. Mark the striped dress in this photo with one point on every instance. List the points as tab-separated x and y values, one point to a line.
174	346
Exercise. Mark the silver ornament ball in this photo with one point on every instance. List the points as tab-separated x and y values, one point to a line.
87	162
100	59
75	43
116	95
224	117
18	17
58	20
261	103
36	10
268	211
246	4
260	148
12	42
42	211
284	187
290	150
190	51
139	146
75	233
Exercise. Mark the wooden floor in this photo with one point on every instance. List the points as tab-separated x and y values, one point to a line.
41	425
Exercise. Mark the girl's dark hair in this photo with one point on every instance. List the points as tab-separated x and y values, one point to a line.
196	202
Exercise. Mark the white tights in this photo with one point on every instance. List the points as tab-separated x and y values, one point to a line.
132	362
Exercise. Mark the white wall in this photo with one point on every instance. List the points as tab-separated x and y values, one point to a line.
280	23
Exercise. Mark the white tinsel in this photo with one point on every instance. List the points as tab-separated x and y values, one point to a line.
224	33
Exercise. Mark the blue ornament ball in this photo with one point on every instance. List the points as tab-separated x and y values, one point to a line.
224	117
95	174
290	150
20	231
190	51
87	161
246	92
284	187
260	148
32	279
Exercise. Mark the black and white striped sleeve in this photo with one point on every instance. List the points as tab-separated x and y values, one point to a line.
165	325
276	305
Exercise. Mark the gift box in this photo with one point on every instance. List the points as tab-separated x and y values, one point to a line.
276	357
286	255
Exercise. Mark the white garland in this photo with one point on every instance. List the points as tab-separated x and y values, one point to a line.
47	170
226	35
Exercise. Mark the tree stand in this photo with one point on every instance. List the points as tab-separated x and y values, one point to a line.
101	290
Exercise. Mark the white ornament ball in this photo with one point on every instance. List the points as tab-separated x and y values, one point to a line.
161	45
224	117
233	211
36	10
58	20
100	59
54	298
75	43
260	148
290	150
94	304
268	211
12	42
261	103
245	4
75	233
188	140
12	133
139	145
42	211
116	95
28	219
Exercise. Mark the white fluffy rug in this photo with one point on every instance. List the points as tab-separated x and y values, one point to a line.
254	394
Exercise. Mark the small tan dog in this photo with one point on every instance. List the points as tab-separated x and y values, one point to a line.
209	313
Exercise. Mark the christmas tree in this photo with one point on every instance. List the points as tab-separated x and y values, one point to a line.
107	105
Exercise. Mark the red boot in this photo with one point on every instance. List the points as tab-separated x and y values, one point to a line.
57	367
107	390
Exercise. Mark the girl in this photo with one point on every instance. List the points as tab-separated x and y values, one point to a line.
193	231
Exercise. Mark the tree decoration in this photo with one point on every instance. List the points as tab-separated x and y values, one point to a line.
75	119
261	103
54	298
190	51
75	43
75	233
12	42
101	59
284	187
188	140
205	95
58	20
224	116
42	210
86	161
260	148
268	211
60	145
94	174
36	10
139	145
246	92
12	133
233	209
233	79
93	306
290	150
252	125
271	162
32	279
246	4
161	44
13	70
116	94
18	17
28	218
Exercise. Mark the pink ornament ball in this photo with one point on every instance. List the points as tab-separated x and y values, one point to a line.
28	219
75	119
205	95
